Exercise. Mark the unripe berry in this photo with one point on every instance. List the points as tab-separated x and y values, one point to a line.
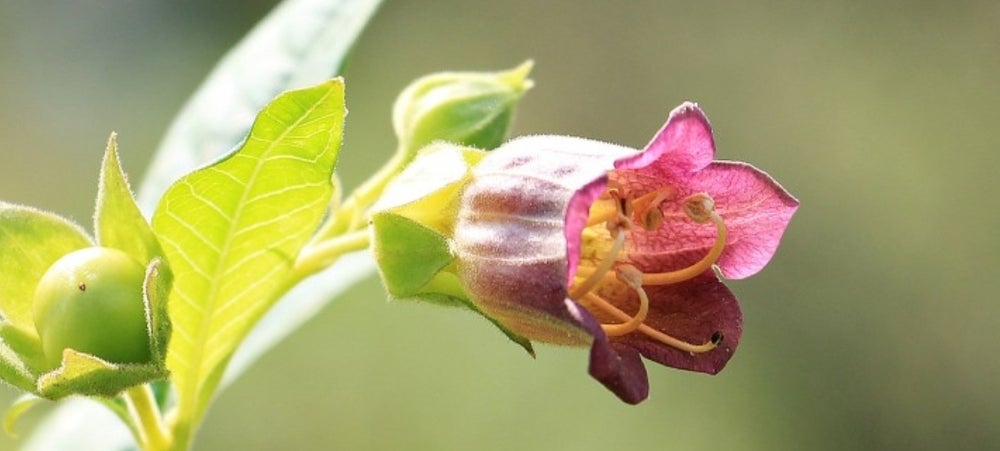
91	301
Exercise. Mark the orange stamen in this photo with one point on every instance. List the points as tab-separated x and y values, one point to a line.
617	212
668	340
690	272
630	276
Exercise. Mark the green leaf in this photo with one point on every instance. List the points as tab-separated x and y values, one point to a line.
30	241
118	223
301	43
84	374
311	38
16	410
233	230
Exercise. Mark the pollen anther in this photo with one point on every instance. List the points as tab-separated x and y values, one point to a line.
592	280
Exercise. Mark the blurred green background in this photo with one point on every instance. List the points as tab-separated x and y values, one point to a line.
873	328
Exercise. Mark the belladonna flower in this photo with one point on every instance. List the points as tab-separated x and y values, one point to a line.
577	242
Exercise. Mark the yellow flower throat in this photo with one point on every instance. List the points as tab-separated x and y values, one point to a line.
604	267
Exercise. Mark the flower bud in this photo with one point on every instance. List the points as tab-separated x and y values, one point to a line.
472	108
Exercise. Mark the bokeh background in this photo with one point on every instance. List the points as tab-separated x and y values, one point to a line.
875	327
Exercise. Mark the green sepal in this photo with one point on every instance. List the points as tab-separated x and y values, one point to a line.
413	223
84	374
155	292
409	254
118	222
13	369
31	240
26	345
413	220
428	190
416	264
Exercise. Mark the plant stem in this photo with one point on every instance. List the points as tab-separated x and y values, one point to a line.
352	214
145	412
318	256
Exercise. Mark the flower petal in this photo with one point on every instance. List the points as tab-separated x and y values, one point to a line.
684	145
756	210
691	311
620	369
617	367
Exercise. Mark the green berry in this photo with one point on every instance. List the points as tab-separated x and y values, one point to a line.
90	301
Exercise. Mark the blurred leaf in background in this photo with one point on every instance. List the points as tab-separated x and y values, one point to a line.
871	329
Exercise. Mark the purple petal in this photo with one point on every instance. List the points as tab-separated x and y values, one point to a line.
691	311
620	369
617	367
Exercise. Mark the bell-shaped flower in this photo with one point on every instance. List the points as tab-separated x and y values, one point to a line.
578	242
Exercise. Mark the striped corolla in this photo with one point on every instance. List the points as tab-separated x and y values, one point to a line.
578	242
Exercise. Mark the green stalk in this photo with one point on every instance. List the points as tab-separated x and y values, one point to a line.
145	412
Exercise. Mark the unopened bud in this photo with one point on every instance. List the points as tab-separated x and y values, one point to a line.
468	108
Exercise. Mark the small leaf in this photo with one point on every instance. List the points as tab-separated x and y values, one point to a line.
118	223
30	241
84	374
231	232
21	405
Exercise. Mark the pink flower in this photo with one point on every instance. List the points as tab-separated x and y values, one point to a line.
578	242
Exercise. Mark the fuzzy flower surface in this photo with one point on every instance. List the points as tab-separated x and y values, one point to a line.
578	242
